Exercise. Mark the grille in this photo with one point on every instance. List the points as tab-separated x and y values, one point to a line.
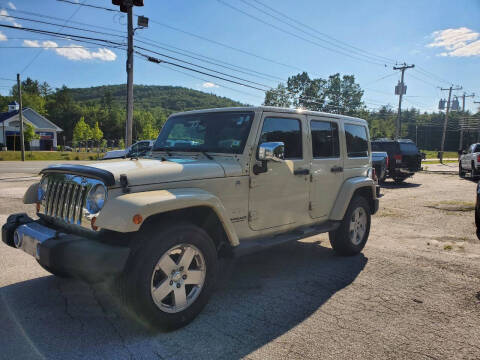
64	197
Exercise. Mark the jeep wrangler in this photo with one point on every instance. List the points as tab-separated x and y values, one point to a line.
217	183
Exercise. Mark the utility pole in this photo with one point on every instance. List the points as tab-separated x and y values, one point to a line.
446	119
126	6
463	110
20	115
129	78
402	90
478	135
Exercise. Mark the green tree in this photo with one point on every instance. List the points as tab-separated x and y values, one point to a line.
277	97
29	134
82	131
148	132
97	133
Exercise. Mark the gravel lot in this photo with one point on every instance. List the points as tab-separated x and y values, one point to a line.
414	293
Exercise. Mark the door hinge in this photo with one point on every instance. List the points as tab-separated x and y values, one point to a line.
310	206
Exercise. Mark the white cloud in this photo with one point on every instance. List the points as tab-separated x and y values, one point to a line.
209	85
74	52
6	17
458	42
11	5
3	37
31	43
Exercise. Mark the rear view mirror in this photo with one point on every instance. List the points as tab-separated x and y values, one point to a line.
274	151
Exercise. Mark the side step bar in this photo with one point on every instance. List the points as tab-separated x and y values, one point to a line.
250	246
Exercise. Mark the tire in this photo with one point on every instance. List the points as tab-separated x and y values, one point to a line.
474	171
461	173
341	239
154	267
57	273
399	180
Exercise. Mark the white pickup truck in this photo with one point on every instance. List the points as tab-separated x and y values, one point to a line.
470	161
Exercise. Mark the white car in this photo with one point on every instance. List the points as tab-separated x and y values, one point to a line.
470	161
137	149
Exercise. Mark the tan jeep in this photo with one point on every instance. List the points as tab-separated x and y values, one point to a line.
217	183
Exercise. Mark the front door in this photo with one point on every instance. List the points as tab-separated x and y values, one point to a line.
327	166
279	196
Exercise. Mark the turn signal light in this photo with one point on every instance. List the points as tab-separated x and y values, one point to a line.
137	219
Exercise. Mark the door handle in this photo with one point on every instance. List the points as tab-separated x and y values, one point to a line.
336	169
301	172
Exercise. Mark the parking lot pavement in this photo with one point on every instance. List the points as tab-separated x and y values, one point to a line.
414	293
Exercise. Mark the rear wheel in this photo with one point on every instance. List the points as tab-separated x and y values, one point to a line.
461	172
352	235
474	171
399	180
171	275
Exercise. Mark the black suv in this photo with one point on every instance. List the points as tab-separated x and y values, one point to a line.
403	155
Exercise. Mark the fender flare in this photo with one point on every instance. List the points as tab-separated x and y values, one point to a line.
346	193
31	195
117	215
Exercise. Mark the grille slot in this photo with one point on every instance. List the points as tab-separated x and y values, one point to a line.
65	197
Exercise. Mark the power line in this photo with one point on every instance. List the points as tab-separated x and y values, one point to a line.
88	5
159	61
335	44
64	26
152	42
262	21
40	51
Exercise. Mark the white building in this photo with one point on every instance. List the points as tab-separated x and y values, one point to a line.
10	129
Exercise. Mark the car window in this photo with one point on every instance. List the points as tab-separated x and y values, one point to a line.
286	130
408	148
476	148
357	140
222	132
324	139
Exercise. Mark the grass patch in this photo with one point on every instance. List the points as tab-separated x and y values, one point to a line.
438	161
447	247
432	154
453	205
49	155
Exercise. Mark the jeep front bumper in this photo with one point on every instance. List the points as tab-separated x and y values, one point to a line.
88	259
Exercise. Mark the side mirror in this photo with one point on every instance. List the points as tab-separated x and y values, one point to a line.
274	151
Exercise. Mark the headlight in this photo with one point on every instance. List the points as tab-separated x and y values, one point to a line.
42	188
96	198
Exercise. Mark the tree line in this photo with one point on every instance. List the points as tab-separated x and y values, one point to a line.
98	113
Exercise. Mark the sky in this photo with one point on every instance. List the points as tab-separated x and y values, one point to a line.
261	41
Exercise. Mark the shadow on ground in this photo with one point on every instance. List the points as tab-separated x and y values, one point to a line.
402	185
268	294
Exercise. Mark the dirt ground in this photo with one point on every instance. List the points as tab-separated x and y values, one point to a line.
414	293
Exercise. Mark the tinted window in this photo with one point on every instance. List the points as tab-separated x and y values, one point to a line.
477	148
357	143
408	148
324	139
221	132
286	130
390	147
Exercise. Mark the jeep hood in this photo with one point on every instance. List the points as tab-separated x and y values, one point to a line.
145	171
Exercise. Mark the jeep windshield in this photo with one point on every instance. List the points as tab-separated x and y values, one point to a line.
211	132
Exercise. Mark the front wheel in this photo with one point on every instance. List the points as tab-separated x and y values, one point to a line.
350	238
171	275
474	171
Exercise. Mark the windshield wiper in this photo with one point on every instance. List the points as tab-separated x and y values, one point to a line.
163	149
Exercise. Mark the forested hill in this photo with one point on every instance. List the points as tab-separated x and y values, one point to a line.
149	97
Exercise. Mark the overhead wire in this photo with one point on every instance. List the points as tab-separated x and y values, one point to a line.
335	44
293	34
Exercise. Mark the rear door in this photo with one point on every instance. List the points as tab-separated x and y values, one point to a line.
327	165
